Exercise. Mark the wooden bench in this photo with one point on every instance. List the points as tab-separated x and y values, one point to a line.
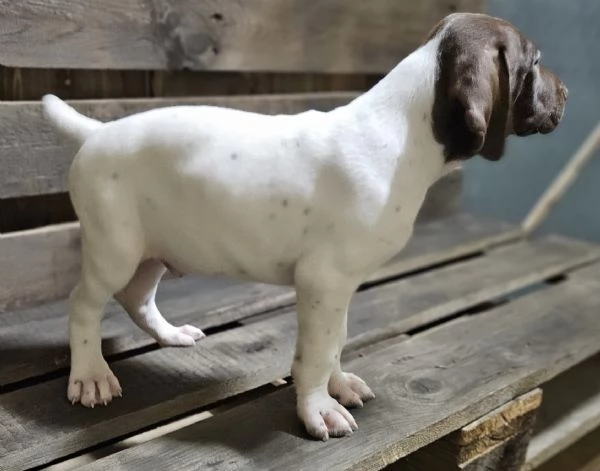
467	337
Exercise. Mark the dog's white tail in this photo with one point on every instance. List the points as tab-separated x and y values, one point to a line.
67	121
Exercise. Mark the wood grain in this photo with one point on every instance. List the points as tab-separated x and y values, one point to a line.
35	160
571	410
211	301
495	442
167	382
44	264
332	35
426	387
35	342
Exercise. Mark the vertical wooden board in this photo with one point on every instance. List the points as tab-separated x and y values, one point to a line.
583	455
570	411
426	387
291	35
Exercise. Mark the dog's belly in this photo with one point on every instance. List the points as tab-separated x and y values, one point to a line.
221	240
257	247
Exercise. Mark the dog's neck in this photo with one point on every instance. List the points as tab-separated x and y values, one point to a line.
398	109
392	124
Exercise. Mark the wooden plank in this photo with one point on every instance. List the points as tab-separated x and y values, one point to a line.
44	264
168	382
571	410
209	302
581	456
495	442
35	160
328	35
458	228
426	387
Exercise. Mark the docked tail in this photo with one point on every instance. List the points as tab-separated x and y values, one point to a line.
67	121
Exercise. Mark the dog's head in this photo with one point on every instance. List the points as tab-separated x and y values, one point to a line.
490	84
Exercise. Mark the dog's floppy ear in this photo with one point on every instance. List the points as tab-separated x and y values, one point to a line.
471	110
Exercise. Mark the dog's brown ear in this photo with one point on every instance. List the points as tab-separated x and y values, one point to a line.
472	98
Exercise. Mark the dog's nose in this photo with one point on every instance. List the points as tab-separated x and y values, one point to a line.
564	90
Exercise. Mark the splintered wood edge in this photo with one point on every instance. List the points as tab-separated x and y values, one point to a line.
497	427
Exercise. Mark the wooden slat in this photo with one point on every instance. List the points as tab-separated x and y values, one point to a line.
495	442
209	302
426	387
325	36
570	411
35	160
44	264
581	456
167	382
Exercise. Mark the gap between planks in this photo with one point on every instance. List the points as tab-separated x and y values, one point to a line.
241	359
505	352
236	401
211	303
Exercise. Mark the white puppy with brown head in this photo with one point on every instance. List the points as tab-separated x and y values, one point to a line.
316	200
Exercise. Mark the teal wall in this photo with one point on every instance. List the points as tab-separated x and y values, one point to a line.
568	33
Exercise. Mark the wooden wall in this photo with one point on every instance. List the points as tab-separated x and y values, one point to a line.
112	58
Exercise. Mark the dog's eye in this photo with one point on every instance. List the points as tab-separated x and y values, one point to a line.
537	59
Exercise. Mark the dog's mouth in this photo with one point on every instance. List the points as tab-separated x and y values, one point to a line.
545	125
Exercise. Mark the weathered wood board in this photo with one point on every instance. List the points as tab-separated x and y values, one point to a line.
570	411
35	159
495	442
44	264
167	382
427	386
34	342
290	35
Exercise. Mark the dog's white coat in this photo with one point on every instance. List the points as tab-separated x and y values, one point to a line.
319	200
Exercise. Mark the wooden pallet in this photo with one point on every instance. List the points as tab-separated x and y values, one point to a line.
462	323
467	337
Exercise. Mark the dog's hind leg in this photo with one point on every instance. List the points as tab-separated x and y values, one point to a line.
107	266
138	299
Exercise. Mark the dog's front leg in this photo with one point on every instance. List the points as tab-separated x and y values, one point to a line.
349	389
322	310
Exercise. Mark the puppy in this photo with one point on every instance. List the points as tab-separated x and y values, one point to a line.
316	200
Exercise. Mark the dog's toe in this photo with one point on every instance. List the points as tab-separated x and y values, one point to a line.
350	390
93	386
324	417
184	336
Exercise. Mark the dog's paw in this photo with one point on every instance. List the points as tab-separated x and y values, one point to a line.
350	390
93	385
324	417
184	336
